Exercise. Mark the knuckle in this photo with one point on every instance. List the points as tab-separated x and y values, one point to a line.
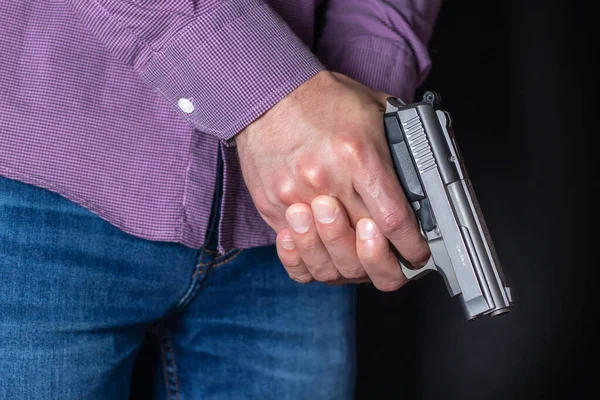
333	237
313	176
294	265
353	272
326	275
310	246
397	221
260	199
263	202
303	278
284	191
351	149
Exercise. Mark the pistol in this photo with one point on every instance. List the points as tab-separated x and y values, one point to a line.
433	176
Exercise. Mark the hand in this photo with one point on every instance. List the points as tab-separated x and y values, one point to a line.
326	138
359	253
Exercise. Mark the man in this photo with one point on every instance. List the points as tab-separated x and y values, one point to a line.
162	159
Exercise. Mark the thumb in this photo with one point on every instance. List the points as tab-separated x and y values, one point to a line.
382	98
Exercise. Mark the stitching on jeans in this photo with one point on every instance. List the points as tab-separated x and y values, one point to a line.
229	259
201	264
165	338
193	287
201	271
165	371
204	271
174	368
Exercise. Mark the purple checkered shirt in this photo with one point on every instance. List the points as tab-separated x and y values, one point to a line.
122	106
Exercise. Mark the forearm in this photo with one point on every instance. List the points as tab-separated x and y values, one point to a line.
382	44
231	60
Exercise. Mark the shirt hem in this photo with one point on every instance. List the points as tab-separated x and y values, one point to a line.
163	236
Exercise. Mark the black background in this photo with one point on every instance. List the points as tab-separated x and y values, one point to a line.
516	78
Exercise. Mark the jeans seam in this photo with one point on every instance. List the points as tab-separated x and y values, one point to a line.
169	376
218	259
215	263
165	370
200	269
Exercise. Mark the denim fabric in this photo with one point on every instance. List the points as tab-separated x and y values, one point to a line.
78	296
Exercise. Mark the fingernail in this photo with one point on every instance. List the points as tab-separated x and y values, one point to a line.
366	229
287	244
299	221
324	212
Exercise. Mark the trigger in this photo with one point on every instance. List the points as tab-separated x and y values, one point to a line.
425	215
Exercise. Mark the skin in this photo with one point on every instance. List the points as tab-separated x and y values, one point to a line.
319	172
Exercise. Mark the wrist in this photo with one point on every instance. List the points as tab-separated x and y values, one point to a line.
306	92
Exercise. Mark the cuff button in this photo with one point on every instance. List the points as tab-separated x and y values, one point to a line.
186	105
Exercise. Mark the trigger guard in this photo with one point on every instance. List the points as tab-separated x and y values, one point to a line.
412	274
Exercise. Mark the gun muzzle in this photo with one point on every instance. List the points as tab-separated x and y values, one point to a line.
432	173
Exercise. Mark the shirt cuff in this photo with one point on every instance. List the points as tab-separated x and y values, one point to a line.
386	65
227	67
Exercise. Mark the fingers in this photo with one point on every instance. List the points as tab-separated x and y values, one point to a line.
309	245
392	214
321	245
290	258
376	257
337	236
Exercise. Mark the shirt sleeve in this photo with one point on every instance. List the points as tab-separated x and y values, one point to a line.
220	63
380	43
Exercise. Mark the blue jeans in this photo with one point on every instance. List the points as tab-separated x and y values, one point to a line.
78	297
